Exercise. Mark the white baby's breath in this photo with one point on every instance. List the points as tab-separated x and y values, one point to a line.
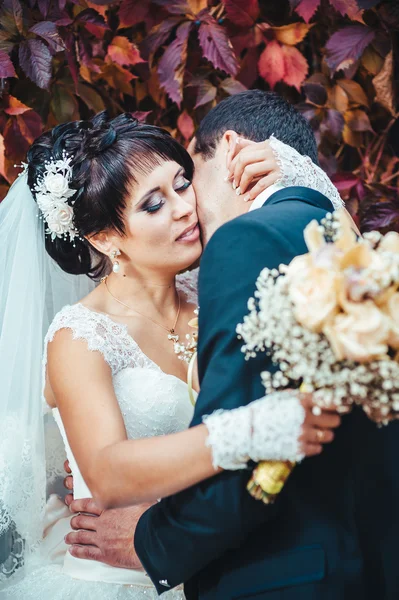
346	354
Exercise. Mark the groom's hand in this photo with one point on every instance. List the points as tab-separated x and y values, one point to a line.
104	535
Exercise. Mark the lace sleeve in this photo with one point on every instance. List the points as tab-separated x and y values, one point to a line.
299	170
188	284
101	334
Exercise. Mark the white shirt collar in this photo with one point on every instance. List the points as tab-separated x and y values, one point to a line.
265	195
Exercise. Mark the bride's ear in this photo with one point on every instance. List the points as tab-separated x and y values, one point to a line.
102	242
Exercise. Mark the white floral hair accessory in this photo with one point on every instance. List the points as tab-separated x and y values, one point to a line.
52	194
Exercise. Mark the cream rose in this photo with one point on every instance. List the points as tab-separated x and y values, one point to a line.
360	335
391	308
45	202
57	185
314	296
60	220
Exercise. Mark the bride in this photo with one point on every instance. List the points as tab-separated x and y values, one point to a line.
115	202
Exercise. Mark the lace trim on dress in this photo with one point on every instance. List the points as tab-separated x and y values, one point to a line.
299	170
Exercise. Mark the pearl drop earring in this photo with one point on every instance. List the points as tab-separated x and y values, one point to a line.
115	264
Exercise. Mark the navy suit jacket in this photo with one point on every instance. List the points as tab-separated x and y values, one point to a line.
333	533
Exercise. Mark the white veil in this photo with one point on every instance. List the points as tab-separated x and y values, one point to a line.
32	290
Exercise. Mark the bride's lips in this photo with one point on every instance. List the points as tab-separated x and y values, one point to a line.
189	235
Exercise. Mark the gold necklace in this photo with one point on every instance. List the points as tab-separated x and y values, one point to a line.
170	331
182	351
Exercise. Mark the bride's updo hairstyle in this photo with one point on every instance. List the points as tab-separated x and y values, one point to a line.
107	154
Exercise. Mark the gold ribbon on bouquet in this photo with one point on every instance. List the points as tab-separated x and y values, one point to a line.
269	477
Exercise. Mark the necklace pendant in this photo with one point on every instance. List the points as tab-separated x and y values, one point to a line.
174	338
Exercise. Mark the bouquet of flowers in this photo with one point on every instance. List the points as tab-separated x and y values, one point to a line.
330	322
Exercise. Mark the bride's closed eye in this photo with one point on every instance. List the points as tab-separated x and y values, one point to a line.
157	200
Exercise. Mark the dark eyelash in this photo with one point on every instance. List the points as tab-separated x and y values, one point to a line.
184	186
154	208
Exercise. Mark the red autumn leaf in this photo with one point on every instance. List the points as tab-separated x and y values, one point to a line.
206	92
271	63
242	12
307	8
124	52
132	12
346	45
6	66
344	182
48	31
141	115
185	125
35	60
118	78
232	86
171	65
15	107
216	46
295	66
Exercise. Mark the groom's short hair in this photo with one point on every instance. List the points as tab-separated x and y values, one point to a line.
255	115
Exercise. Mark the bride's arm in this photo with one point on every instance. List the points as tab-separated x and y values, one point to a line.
122	472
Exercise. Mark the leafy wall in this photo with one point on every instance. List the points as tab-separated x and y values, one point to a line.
170	61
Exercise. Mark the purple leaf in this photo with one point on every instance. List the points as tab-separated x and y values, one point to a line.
89	15
48	31
6	66
132	12
171	66
380	215
206	92
159	35
35	60
216	46
71	57
174	7
333	123
102	2
232	86
346	45
242	12
345	7
315	93
364	4
44	6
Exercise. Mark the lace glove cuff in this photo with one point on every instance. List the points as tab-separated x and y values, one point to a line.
267	429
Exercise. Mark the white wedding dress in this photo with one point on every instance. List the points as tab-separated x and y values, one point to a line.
152	403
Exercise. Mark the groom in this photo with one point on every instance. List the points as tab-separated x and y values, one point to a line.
332	533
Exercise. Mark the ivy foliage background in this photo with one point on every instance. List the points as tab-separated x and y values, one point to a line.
170	61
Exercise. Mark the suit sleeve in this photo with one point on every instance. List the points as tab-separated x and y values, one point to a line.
182	534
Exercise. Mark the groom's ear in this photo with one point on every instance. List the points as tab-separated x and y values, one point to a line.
231	147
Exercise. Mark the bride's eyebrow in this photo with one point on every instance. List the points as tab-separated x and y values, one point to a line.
156	189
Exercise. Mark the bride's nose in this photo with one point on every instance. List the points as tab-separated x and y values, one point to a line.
182	208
